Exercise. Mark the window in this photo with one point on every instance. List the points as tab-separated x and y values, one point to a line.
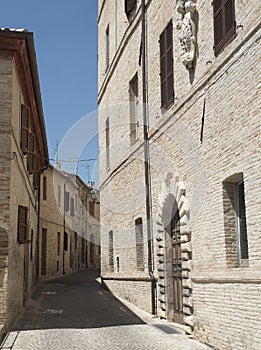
130	6
91	208
44	188
224	22
66	201
59	196
111	259
65	241
133	97
36	173
75	241
25	116
166	66
139	244
58	243
44	251
22	224
107	47
31	155
72	206
241	222
236	241
107	136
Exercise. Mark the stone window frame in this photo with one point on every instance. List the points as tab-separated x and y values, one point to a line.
139	239
232	229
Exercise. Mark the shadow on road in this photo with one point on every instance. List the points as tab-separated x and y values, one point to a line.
74	301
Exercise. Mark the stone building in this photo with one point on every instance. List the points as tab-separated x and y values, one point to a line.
186	79
69	225
23	155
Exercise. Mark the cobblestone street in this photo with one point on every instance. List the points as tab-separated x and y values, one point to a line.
76	312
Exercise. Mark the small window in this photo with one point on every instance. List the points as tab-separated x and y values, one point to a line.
65	241
31	155
166	67
91	208
25	117
45	188
75	241
72	206
133	98
22	224
58	243
59	196
139	244
224	22
66	201
235	227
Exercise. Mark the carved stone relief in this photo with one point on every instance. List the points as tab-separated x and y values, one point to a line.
187	27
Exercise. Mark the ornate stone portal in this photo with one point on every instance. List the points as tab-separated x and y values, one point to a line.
187	27
172	198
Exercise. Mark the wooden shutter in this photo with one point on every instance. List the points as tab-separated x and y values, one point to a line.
25	115
36	173
31	155
72	206
22	224
129	6
224	22
91	208
166	66
66	201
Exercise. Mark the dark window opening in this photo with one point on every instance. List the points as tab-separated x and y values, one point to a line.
166	66
224	22
22	224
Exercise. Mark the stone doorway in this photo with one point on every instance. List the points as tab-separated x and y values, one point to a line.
174	253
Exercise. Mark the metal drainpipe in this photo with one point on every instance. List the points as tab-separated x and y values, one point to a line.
147	160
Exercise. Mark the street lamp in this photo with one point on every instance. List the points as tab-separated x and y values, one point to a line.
94	195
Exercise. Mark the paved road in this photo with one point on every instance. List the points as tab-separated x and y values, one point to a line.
76	312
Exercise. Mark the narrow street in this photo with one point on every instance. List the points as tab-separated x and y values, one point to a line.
76	312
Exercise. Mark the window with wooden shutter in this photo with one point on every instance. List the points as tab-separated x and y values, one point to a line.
166	66
72	206
91	208
25	115
130	6
36	173
31	155
22	224
66	201
224	22
45	188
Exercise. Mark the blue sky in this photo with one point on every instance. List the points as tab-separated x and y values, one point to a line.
65	34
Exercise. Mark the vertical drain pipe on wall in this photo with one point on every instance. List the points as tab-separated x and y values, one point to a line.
147	160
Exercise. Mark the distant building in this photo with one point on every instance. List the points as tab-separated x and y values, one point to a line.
70	236
202	268
23	156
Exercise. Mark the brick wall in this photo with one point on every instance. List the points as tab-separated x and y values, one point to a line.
227	86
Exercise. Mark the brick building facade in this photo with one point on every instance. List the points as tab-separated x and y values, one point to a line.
23	156
199	81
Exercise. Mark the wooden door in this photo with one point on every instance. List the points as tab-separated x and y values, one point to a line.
177	269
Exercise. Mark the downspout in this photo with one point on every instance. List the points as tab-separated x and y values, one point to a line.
147	161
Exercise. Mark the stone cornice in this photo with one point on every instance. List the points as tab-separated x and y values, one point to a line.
240	275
